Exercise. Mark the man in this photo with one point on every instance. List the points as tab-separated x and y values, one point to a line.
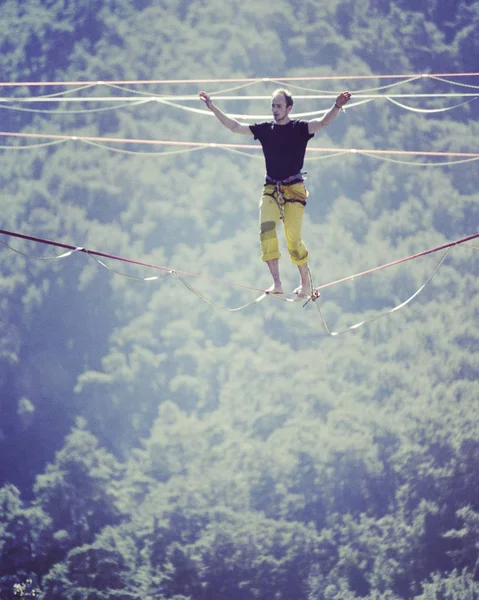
284	142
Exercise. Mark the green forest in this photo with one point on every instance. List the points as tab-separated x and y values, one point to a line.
155	445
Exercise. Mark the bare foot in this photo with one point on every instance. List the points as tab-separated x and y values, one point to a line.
302	292
276	288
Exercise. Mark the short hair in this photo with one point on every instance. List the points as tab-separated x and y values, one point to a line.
286	94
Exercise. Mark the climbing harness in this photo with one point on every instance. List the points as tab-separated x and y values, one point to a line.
278	193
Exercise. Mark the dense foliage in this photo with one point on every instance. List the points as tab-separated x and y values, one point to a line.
155	447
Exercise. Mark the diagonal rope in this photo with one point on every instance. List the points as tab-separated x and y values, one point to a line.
168	101
230	80
280	82
139	96
65	92
32	146
123	88
65	111
214	145
243	153
233	89
468	85
152	278
181	274
214	305
387	312
315	158
428	110
200	111
195	96
125	260
411	163
134	278
31	257
282	297
374	89
147	153
462	241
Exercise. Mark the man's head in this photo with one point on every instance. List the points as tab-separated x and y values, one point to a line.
281	105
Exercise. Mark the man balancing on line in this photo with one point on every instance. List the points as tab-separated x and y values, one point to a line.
284	142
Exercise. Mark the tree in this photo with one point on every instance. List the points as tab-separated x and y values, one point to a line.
78	490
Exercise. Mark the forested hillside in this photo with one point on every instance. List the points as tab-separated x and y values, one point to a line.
156	446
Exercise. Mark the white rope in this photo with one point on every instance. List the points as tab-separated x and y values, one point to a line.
387	312
418	164
375	89
31	257
132	277
428	110
139	96
73	111
468	85
255	117
140	152
243	153
32	146
70	91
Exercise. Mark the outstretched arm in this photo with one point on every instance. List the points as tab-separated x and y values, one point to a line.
232	124
317	124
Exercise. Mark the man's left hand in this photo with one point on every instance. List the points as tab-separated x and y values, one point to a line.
343	98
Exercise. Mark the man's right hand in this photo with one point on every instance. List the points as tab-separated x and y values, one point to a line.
231	124
206	99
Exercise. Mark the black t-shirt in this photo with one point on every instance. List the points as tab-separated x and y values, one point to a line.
284	146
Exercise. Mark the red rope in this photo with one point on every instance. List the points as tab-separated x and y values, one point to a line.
87	138
151	266
401	260
122	259
230	80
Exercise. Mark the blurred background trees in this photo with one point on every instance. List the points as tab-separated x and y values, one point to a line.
155	447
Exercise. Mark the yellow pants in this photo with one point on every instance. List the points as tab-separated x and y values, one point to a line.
270	215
